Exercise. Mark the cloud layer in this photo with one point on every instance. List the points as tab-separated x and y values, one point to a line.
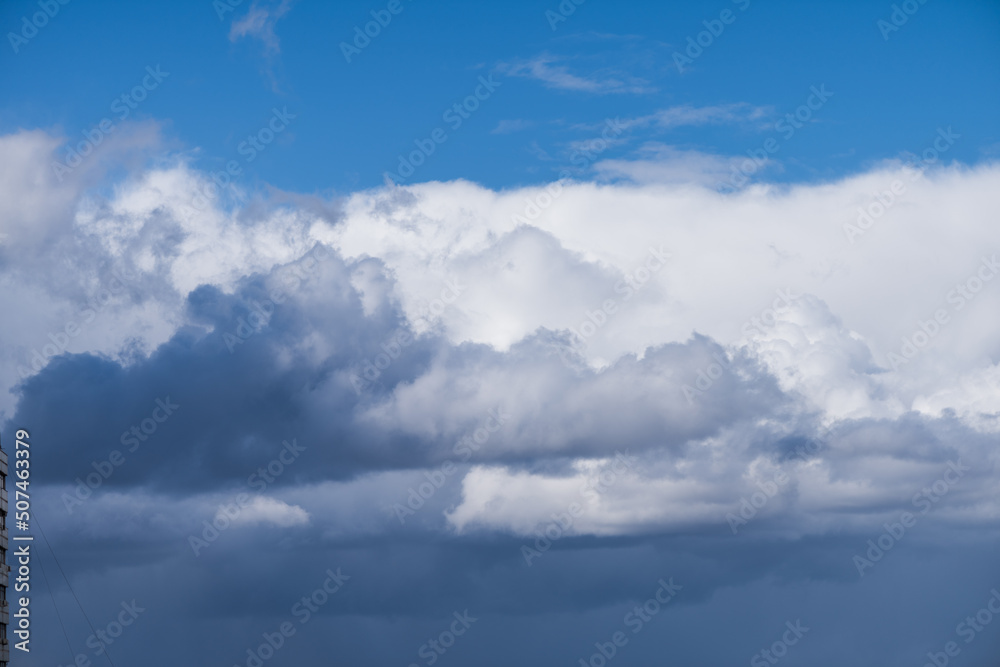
649	377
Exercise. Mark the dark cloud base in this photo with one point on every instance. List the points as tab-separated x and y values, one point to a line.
235	408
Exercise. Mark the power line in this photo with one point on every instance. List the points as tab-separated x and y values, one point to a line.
70	587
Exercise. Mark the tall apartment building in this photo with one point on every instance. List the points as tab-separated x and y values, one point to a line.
4	566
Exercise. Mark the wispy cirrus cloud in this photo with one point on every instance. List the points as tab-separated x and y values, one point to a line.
688	114
656	161
659	163
259	24
510	126
548	69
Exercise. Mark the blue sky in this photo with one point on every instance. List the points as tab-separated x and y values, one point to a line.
354	119
515	333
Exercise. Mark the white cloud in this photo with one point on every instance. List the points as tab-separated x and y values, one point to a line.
838	491
730	253
262	509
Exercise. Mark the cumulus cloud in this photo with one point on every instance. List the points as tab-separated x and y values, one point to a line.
652	351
